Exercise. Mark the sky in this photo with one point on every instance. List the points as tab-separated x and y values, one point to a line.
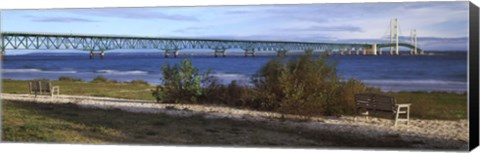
439	25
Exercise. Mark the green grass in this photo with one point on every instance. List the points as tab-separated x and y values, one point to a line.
434	105
425	105
69	123
99	89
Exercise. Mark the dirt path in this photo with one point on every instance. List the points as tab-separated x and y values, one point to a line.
422	133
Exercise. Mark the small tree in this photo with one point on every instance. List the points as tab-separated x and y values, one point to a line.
180	83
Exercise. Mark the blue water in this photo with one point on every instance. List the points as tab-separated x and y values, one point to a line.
390	73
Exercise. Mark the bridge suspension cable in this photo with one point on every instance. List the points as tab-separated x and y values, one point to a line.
393	36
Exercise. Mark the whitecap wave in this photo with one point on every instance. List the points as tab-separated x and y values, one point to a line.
229	75
226	78
34	71
116	72
418	82
20	70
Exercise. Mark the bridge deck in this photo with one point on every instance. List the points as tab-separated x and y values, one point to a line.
18	40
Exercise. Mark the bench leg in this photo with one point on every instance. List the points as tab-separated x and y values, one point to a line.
55	89
396	116
408	115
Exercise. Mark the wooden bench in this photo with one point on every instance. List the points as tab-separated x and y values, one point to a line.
43	87
368	103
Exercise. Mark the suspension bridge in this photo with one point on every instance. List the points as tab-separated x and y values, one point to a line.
10	41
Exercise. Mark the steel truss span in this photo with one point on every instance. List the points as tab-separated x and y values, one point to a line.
100	43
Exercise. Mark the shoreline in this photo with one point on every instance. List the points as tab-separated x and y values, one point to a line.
425	105
430	132
228	78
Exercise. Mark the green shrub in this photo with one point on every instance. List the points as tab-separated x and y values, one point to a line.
69	79
99	79
180	83
304	86
41	79
213	93
138	82
233	94
349	88
102	79
156	94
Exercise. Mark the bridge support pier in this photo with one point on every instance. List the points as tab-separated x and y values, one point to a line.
349	51
3	54
221	51
249	52
91	55
168	51
309	52
282	53
370	51
341	50
102	55
329	52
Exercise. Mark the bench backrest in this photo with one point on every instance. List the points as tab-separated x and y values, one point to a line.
384	103
364	101
375	102
40	86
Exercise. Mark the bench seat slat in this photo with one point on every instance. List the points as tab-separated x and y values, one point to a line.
40	87
374	102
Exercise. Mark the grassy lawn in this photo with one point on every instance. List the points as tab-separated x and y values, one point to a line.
425	105
68	123
100	89
434	105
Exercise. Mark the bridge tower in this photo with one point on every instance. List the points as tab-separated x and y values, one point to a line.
413	35
394	32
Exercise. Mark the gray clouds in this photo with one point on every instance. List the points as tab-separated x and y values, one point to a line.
342	28
59	19
138	13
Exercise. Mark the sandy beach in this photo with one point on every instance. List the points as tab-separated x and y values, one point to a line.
423	133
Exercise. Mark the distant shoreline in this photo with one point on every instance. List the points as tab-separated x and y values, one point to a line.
390	73
225	83
229	53
384	85
454	105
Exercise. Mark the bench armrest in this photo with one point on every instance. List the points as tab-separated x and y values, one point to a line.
403	105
